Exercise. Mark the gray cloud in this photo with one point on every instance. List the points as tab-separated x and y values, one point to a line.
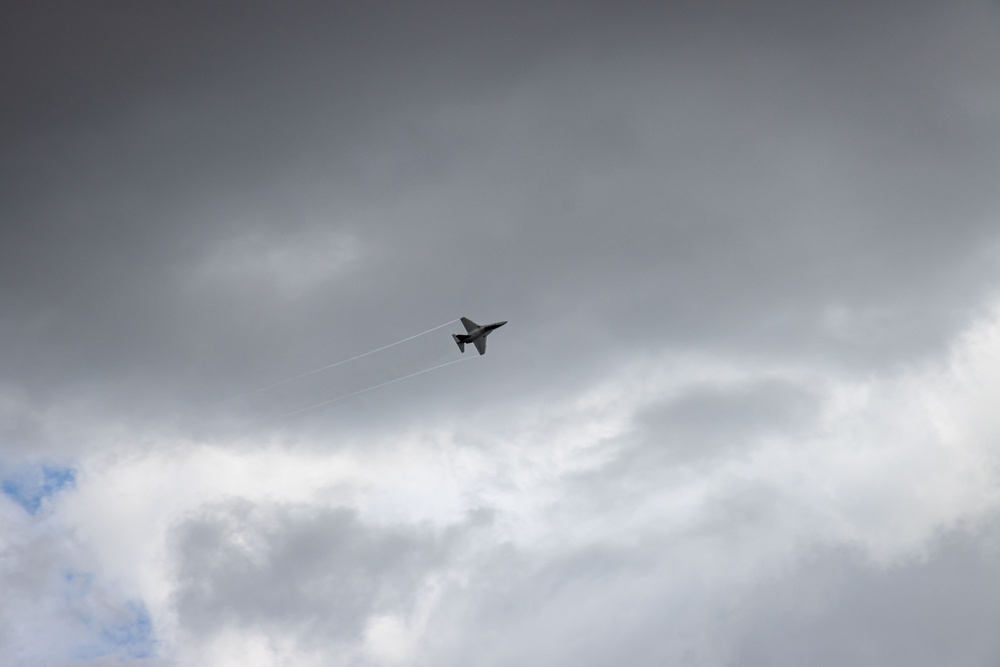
836	609
832	607
699	430
660	178
712	421
201	199
318	574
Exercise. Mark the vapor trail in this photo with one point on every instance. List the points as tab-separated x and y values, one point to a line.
383	384
334	365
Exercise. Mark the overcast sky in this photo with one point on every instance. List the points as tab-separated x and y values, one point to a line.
743	413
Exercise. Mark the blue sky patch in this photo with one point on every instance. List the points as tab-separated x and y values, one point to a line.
122	631
112	627
133	635
29	487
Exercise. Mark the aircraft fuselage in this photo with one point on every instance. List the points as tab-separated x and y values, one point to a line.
475	334
483	331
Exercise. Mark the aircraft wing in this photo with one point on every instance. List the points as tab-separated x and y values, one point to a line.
481	344
470	326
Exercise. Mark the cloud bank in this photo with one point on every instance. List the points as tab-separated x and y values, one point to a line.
743	413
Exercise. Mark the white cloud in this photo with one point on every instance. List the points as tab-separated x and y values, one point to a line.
888	463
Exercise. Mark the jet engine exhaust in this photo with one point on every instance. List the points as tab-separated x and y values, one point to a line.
382	384
334	365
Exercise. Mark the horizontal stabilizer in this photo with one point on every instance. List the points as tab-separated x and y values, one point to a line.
460	343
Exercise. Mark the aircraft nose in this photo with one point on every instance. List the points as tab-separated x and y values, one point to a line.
502	323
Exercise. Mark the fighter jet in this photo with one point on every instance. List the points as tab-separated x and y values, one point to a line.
476	334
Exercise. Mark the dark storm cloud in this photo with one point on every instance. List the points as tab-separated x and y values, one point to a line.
319	573
603	176
145	138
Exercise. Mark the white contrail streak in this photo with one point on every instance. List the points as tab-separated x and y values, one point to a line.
339	363
383	384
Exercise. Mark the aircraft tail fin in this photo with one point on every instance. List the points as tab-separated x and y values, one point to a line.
459	342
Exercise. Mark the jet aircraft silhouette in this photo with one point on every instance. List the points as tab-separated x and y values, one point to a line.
475	334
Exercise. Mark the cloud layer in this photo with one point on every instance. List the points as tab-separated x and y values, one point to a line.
743	413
